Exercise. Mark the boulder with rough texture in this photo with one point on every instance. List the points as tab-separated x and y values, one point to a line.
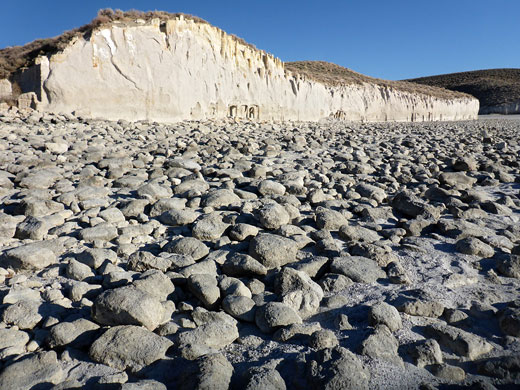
459	341
264	378
385	314
32	370
272	250
337	368
129	347
359	269
77	334
299	291
128	306
274	315
206	337
28	257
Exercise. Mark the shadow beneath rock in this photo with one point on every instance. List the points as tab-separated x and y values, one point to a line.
445	247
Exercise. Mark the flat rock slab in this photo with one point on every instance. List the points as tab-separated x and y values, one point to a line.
129	347
459	341
359	269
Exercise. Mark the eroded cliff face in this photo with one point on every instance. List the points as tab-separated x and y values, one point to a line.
181	70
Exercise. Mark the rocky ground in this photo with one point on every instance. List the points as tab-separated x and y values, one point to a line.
258	256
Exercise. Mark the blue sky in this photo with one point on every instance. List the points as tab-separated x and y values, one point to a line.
391	39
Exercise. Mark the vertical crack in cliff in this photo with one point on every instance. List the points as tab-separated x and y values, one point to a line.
163	29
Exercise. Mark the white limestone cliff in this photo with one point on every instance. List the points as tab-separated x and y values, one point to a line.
181	69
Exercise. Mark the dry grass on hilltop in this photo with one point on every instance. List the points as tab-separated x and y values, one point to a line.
16	57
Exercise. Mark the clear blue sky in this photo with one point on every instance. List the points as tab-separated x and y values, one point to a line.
391	39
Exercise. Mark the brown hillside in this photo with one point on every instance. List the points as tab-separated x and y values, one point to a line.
492	87
332	74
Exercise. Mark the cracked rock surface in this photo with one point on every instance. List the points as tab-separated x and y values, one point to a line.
329	255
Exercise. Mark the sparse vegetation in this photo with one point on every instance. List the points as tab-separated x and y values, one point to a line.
491	87
332	74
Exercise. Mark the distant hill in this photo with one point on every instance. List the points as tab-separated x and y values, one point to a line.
498	90
332	74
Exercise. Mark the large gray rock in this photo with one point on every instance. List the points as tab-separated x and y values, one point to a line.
77	334
205	288
385	314
96	257
209	227
272	250
371	191
322	339
412	206
32	370
509	321
32	228
239	264
270	187
457	180
155	283
28	257
23	314
103	232
381	345
264	378
273	215
359	269
129	347
154	192
206	338
351	233
329	219
474	246
78	271
509	265
338	368
459	341
144	384
189	246
141	261
12	342
179	217
240	307
274	315
128	306
426	352
214	371
220	198
299	291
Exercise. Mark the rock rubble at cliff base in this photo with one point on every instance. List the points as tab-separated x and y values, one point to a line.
258	255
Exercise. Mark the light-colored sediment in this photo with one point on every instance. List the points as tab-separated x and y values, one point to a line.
179	69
